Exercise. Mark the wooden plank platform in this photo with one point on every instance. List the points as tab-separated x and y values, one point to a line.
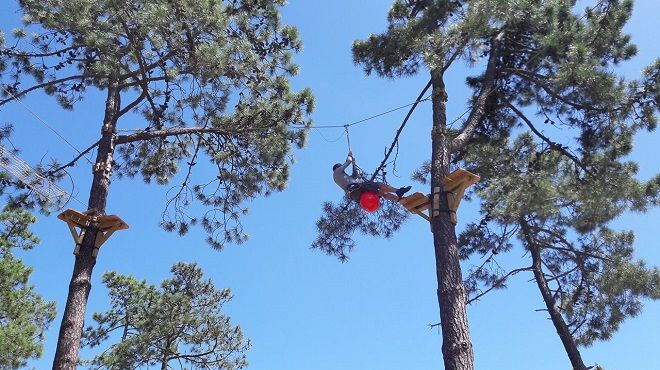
79	223
455	185
416	203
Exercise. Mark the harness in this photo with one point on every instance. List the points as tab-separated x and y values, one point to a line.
356	190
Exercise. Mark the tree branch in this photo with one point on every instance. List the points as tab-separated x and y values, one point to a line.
80	155
479	106
147	135
498	283
148	67
144	82
398	132
17	95
558	147
132	104
569	247
35	55
538	80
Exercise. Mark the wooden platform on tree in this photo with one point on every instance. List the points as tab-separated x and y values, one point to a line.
455	185
80	222
416	203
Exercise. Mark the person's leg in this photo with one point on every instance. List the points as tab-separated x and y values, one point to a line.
390	196
385	188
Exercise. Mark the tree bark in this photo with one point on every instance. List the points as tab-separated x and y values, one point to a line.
68	342
557	320
456	343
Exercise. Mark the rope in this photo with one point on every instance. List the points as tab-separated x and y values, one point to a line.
398	132
348	138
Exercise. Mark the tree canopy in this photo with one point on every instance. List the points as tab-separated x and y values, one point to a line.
209	78
179	324
24	314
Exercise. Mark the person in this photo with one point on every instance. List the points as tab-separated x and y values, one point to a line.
354	185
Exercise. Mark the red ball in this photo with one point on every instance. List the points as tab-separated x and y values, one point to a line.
369	201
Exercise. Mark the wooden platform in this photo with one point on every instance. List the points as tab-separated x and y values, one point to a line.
416	203
454	186
80	222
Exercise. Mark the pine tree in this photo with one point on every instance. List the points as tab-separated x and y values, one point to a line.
179	324
24	315
210	79
540	58
584	270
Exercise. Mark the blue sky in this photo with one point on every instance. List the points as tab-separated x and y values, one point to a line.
302	309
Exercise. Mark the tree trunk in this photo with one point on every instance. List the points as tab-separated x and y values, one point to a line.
68	342
456	343
557	320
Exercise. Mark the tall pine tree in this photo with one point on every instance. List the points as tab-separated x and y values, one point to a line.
528	58
210	79
584	270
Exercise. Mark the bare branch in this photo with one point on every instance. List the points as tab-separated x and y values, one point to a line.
498	283
74	160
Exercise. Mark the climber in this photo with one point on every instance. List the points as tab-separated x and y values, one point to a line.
355	184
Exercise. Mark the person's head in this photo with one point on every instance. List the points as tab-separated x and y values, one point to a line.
337	165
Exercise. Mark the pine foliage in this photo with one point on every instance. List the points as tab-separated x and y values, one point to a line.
209	78
24	314
549	130
179	324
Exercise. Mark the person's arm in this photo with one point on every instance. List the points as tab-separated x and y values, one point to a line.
343	167
356	171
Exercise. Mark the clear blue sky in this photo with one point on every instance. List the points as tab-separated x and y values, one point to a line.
302	309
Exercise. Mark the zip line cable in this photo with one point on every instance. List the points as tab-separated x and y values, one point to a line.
419	100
